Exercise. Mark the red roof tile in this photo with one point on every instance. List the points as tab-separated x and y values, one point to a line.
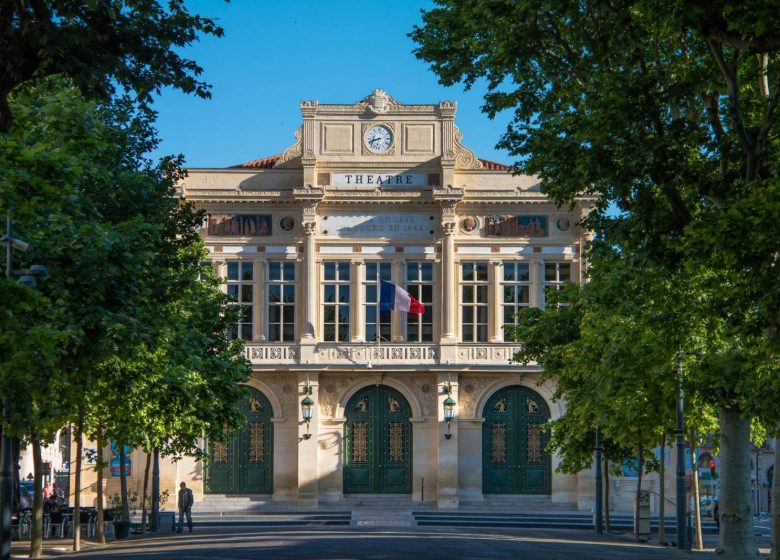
493	166
262	163
270	162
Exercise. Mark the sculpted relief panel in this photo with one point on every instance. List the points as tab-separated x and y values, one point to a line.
471	388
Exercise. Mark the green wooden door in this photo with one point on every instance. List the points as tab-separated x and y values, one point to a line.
377	443
514	460
244	464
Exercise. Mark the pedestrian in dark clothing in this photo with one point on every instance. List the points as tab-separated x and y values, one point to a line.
716	515
185	507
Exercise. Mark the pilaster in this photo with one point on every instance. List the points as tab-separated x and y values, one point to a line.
398	277
495	316
448	197
358	275
537	284
309	142
447	493
309	197
260	299
308	447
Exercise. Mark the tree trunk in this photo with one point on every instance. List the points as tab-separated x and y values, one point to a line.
736	517
696	507
77	495
640	468
143	497
774	510
662	493
607	524
100	529
36	533
123	482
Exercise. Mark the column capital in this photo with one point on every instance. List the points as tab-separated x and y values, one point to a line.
309	229
448	229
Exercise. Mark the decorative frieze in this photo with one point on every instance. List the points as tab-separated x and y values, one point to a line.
492	353
275	353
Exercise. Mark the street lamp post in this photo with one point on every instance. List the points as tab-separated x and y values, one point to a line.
599	514
680	433
26	278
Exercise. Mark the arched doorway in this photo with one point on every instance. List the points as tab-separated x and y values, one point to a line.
377	443
514	460
244	464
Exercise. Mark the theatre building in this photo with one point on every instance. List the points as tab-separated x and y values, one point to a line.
349	402
370	192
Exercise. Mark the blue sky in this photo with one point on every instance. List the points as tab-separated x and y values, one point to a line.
275	54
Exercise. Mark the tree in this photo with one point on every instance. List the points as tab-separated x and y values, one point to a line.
123	254
669	113
100	45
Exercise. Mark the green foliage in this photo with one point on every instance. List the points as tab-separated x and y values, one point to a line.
129	333
133	44
667	114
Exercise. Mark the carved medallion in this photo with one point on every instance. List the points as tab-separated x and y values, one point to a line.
500	406
255	406
362	405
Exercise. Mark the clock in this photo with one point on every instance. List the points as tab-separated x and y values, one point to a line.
378	138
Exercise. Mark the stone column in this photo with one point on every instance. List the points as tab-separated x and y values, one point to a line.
358	311
449	295
398	277
308	459
537	284
495	297
310	260
447	493
260	297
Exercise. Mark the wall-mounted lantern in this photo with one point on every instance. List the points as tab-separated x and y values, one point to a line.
307	409
449	409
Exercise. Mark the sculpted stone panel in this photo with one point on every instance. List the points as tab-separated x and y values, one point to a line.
471	388
284	387
338	138
331	386
424	387
418	138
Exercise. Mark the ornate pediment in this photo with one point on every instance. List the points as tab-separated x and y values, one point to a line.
379	102
294	151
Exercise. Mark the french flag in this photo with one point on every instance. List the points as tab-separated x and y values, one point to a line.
392	298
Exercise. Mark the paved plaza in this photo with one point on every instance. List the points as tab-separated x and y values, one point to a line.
379	544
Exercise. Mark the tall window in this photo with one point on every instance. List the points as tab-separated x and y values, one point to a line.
281	301
240	289
515	287
419	284
474	301
336	301
378	323
555	274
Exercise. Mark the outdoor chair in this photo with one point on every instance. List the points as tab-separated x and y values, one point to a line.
55	524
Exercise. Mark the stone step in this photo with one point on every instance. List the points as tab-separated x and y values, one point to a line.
568	520
370	519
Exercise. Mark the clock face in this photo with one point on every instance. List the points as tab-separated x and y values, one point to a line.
378	138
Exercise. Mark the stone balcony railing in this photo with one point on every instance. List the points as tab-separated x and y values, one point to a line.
391	353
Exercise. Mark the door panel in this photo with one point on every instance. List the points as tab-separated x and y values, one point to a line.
244	465
377	443
221	469
514	460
